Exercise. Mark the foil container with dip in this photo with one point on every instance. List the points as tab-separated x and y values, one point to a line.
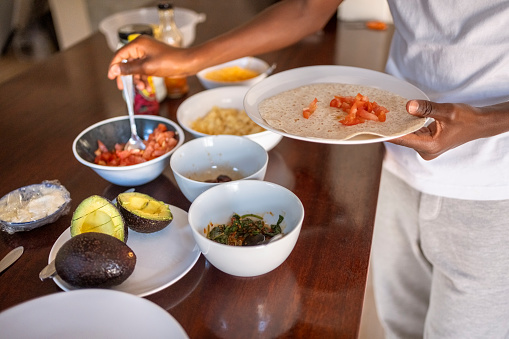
33	206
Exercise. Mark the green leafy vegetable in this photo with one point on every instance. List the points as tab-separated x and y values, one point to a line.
243	227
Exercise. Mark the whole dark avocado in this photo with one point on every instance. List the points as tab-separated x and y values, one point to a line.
142	213
94	260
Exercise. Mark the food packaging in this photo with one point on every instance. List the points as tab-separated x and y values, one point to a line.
33	206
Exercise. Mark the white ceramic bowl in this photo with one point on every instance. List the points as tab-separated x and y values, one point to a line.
198	105
185	19
117	130
251	63
216	154
217	205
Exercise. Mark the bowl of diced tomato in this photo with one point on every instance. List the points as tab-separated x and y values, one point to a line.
101	148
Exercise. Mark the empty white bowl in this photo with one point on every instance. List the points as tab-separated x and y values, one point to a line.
207	157
185	19
117	130
262	198
198	105
250	63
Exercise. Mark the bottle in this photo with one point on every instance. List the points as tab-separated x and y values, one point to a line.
145	101
176	87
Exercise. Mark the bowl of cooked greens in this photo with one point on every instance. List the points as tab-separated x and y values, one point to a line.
246	228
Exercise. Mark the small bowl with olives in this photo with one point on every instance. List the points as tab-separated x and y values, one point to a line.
246	228
206	162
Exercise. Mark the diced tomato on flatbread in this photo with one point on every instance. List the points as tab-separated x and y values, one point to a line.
359	109
307	111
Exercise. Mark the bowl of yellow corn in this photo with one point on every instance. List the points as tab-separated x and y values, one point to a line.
245	71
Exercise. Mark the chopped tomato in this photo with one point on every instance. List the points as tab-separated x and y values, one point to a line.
159	142
367	115
359	109
306	112
352	120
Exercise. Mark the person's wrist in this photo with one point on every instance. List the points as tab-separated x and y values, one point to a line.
195	60
493	120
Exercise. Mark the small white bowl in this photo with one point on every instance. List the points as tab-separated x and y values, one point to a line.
251	63
217	154
262	198
198	105
117	130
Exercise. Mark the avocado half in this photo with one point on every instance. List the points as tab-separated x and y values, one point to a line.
94	260
98	214
142	213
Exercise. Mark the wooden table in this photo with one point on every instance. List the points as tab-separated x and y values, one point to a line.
317	292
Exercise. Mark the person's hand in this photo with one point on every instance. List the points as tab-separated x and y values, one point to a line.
145	56
453	125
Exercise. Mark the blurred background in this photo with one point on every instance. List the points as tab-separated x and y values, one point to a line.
32	30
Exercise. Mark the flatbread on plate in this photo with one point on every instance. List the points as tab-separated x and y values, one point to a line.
283	111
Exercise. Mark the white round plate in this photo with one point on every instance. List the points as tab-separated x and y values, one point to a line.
298	77
162	258
91	313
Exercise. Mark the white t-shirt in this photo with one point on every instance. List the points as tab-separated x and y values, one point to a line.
454	51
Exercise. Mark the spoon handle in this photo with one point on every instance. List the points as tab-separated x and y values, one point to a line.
49	271
127	81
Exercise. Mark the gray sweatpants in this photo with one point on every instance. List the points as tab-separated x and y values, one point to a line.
440	265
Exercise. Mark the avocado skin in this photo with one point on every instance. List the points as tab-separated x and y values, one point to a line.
94	260
142	225
138	223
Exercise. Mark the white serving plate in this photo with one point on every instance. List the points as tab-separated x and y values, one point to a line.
298	77
163	257
91	313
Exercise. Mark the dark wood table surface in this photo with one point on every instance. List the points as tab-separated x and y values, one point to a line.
316	293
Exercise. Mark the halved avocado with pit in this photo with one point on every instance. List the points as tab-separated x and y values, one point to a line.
142	213
98	214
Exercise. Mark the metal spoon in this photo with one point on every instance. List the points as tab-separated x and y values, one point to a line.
49	271
270	69
135	141
260	239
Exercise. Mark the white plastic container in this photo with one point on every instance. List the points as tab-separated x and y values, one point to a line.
186	20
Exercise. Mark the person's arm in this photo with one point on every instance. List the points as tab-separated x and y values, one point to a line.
280	25
454	125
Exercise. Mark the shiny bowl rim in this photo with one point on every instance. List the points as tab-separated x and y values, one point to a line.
196	96
178	130
208	136
201	74
297	228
